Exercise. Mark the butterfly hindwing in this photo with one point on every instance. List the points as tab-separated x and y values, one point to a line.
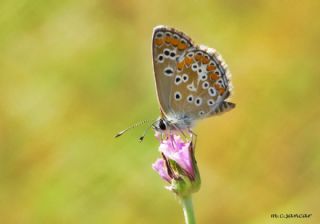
201	84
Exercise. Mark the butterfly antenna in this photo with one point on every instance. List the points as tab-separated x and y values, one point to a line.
131	127
145	132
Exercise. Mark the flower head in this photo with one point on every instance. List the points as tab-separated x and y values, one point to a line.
179	151
178	165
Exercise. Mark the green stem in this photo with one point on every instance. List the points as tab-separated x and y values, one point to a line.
188	210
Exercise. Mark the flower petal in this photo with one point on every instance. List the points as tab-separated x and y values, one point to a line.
160	167
184	159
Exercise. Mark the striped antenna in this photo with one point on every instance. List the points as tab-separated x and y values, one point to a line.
131	127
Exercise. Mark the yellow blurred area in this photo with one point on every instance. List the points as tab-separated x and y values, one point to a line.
74	73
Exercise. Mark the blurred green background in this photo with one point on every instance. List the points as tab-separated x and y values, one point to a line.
74	73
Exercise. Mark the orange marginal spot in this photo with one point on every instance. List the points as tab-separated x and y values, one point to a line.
182	46
205	60
214	76
219	88
167	39
158	42
197	57
180	65
211	67
188	61
221	91
174	42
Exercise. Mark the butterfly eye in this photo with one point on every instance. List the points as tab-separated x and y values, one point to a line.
198	101
212	91
210	102
190	98
205	85
177	96
185	77
162	125
168	71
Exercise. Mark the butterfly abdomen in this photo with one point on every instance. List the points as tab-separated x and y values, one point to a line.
223	107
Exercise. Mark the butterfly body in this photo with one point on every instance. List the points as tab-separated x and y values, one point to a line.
192	81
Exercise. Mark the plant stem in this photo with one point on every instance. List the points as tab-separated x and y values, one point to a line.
188	210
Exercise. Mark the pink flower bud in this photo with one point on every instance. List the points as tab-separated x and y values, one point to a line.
176	149
178	165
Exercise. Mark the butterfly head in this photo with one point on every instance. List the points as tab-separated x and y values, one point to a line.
164	125
161	125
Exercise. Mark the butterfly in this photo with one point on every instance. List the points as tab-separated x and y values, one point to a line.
192	81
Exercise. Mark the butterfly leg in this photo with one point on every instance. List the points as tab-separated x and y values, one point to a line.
194	137
179	129
172	139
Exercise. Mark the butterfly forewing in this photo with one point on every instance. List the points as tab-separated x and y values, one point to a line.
167	46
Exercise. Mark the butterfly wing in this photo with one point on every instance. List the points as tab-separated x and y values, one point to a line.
201	85
192	81
168	45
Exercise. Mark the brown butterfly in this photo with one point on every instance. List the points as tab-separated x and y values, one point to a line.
193	81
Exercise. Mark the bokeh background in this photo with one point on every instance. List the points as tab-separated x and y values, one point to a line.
74	73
